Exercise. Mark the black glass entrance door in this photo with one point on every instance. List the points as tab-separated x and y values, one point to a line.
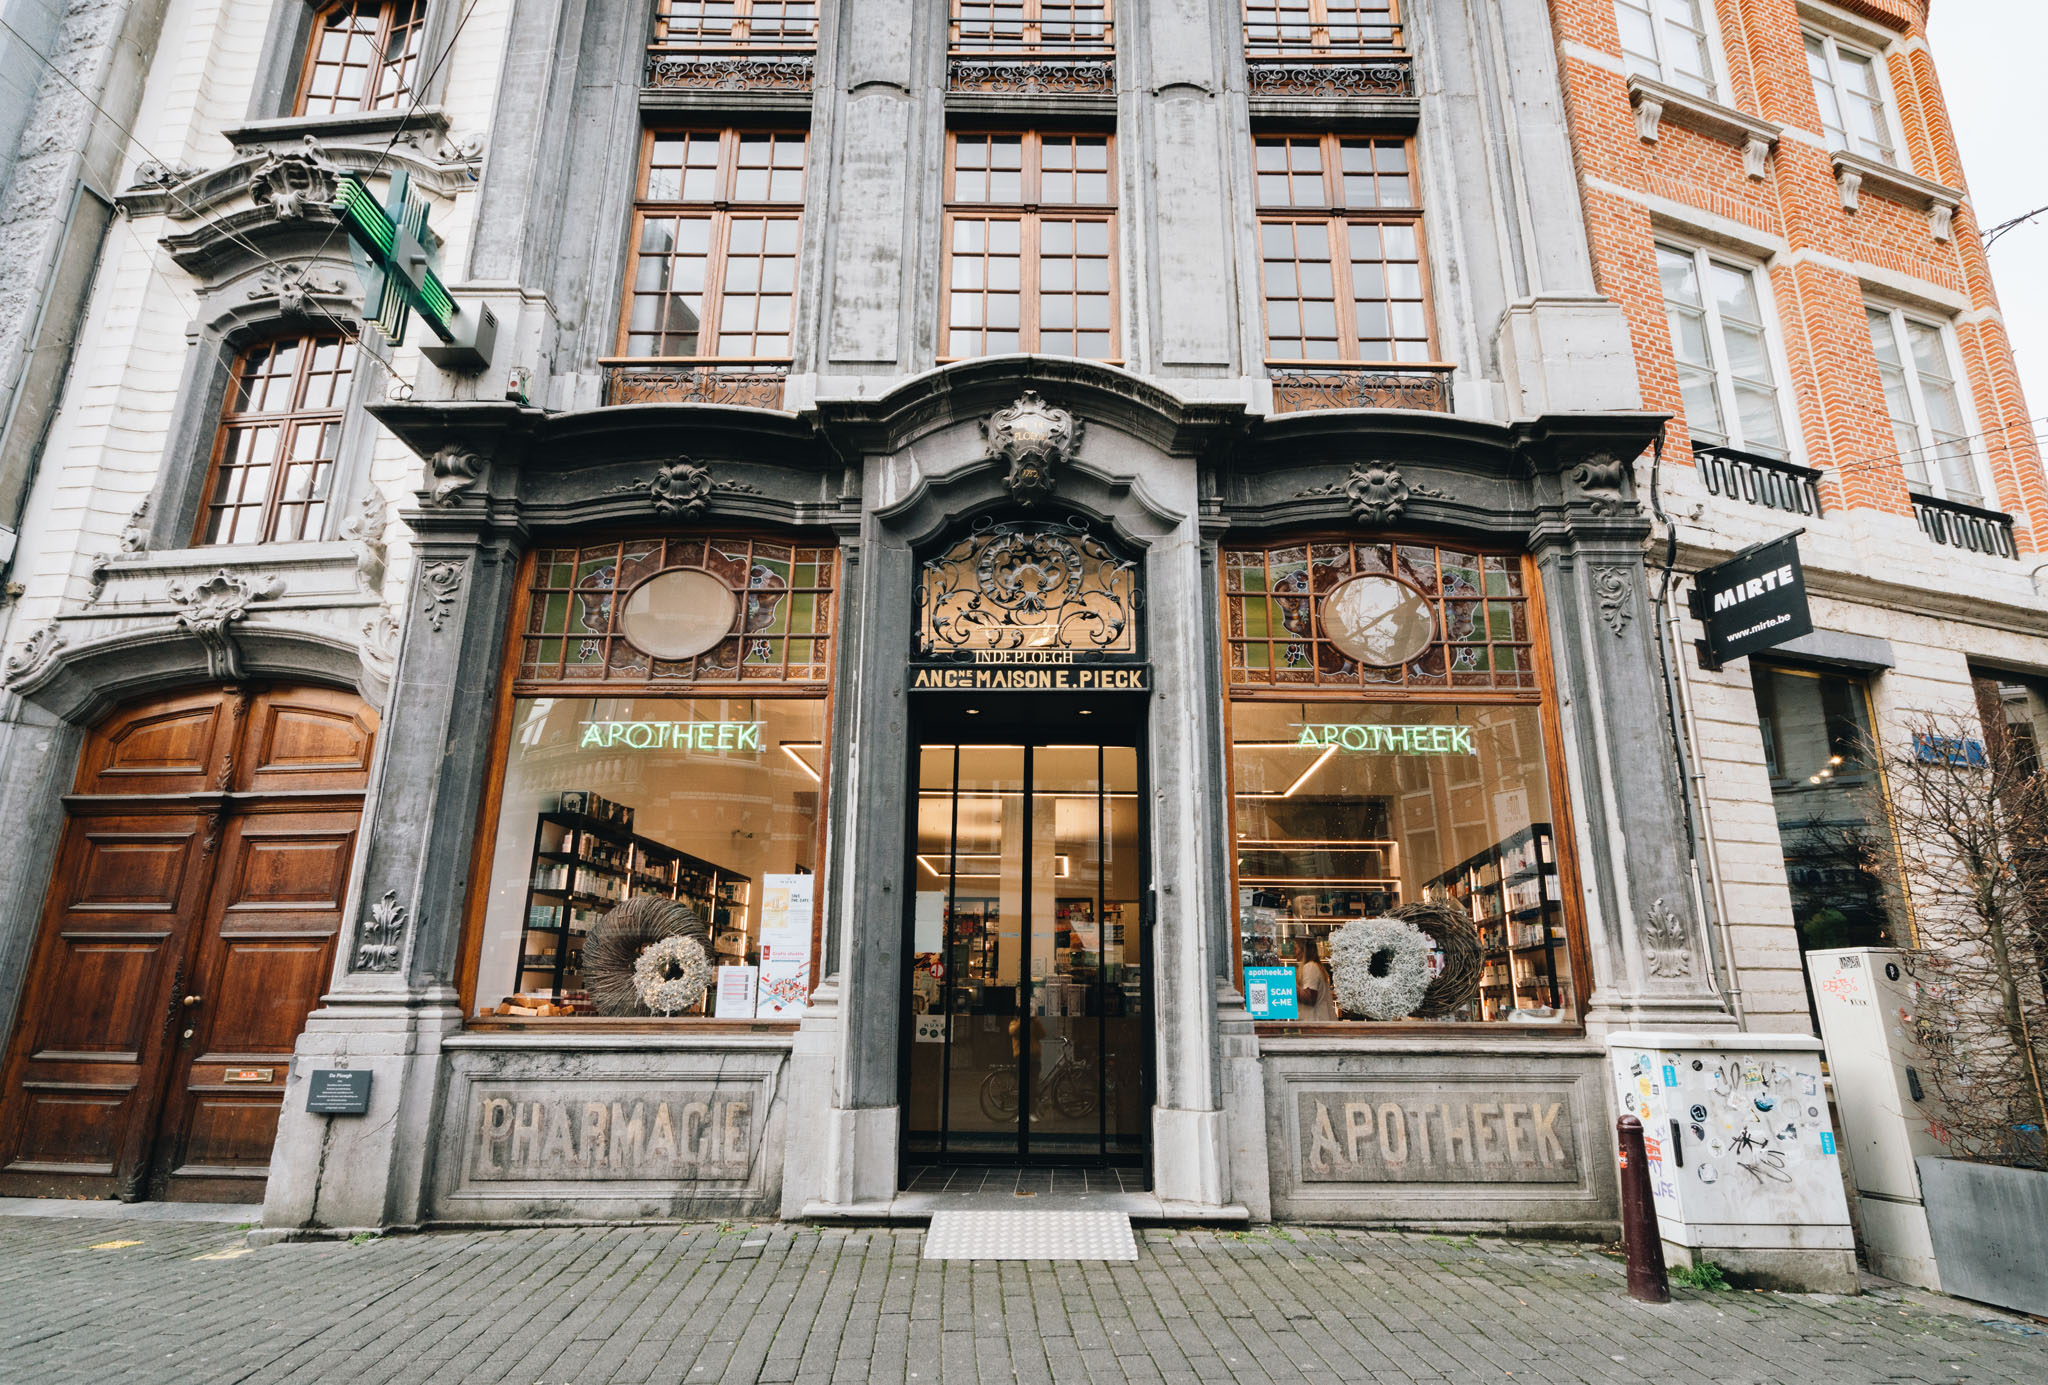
1028	1039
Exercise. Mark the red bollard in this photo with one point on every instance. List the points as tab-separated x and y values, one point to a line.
1639	1218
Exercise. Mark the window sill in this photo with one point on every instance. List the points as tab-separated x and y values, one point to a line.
1367	1034
592	1033
1854	172
1656	102
423	126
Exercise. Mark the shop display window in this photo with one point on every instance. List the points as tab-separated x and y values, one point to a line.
663	777
1390	761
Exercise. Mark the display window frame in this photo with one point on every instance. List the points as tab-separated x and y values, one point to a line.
511	689
1556	779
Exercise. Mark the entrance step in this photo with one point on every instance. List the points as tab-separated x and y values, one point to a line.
1012	1235
109	1210
1143	1208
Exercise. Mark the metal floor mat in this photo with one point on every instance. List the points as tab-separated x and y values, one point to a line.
1030	1236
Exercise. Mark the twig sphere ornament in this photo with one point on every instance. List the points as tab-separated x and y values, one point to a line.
1379	968
672	975
1451	930
613	948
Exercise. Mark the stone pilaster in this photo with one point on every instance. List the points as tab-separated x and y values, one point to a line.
393	997
1651	965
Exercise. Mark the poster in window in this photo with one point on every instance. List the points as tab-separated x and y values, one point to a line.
785	946
735	993
1269	993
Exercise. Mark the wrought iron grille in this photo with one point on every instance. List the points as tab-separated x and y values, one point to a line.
733	45
1764	481
1368	77
1427	388
759	387
1967	527
1028	586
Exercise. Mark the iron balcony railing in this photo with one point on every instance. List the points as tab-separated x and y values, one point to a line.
1968	527
1426	387
1759	480
1359	52
756	384
752	45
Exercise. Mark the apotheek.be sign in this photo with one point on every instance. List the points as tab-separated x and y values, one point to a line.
1754	601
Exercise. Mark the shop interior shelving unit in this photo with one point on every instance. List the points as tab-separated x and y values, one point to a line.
1511	892
1316	886
581	868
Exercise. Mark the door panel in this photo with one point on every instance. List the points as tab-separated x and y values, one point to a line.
306	738
234	902
84	1081
171	746
1028	1039
264	959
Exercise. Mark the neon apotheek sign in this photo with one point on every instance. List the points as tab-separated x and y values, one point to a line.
672	735
1381	739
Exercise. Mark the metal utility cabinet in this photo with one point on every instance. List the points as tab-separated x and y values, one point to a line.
1742	1155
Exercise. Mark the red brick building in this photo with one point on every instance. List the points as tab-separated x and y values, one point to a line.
1774	196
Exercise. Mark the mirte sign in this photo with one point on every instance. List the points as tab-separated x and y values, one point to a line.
1754	601
1407	1135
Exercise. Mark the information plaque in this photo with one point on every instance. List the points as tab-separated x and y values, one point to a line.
339	1092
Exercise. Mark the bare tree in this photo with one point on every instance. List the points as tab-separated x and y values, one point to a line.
1968	804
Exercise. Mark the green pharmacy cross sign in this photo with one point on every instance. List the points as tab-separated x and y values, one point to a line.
396	260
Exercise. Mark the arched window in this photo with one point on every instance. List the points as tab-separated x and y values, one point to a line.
273	461
363	56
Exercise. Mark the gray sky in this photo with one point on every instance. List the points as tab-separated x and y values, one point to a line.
1988	53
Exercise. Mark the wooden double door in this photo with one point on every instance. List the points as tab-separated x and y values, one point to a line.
188	930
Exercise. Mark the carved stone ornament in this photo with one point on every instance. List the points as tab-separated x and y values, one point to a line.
96	587
454	470
1599	479
152	174
380	640
381	937
1612	589
1670	949
207	609
1036	439
295	286
440	584
295	181
42	646
365	529
682	489
135	538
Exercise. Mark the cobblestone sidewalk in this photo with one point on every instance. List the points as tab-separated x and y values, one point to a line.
181	1302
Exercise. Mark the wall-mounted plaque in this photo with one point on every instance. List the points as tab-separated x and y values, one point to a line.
339	1092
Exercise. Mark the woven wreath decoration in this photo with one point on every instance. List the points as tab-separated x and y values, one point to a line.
672	975
1451	932
611	954
1379	968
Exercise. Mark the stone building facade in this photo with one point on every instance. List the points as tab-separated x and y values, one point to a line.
1027	519
1796	161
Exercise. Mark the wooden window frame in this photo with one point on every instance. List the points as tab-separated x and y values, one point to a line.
289	422
387	12
1543	697
1832	51
1928	454
1336	217
1030	213
1032	41
1704	12
1319	42
511	688
720	211
1722	367
740	37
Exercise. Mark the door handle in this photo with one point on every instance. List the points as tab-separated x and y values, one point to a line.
192	1000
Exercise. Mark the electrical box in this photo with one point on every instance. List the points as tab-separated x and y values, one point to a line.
1743	1163
1866	1000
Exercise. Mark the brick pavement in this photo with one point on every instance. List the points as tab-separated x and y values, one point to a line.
747	1302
